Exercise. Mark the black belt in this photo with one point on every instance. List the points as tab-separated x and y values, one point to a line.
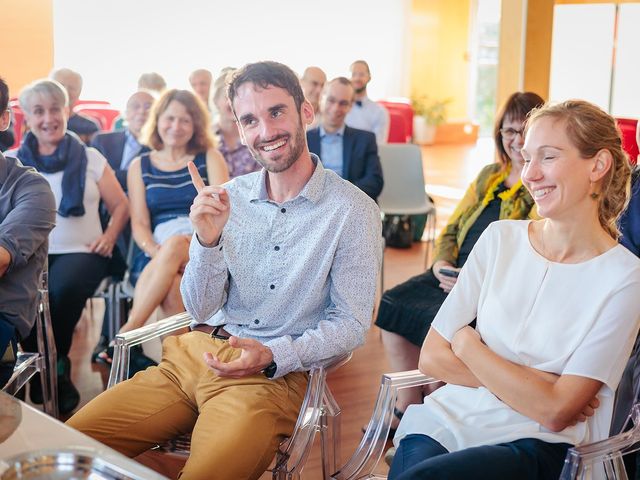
214	332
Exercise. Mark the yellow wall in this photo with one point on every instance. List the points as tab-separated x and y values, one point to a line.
439	54
26	45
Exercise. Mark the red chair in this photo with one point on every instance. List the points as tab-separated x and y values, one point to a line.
628	128
397	128
102	113
92	102
19	127
406	111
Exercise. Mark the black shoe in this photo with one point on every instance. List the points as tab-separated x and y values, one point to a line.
138	361
103	343
68	395
35	389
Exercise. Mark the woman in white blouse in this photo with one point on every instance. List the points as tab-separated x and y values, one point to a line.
557	310
79	249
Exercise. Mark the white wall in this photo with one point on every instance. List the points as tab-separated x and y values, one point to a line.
112	42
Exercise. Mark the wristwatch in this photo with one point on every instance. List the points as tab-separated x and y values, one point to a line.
270	370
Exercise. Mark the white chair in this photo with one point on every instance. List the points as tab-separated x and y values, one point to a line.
319	412
44	360
404	192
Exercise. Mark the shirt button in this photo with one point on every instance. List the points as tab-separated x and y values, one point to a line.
272	286
276	248
256	321
283	210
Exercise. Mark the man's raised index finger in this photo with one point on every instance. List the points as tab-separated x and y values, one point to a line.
195	177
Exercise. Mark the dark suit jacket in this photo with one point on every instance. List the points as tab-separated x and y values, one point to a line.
111	145
361	163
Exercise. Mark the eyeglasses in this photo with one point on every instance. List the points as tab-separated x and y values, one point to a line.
510	133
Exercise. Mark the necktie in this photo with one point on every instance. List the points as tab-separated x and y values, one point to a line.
359	103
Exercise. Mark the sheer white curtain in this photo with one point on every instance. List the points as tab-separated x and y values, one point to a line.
111	42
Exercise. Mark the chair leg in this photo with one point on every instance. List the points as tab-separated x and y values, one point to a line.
330	434
47	347
431	237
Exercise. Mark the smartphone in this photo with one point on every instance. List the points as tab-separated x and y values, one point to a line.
449	273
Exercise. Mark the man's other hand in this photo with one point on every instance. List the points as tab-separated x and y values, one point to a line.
254	358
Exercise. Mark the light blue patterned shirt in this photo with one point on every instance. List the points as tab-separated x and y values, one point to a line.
300	276
332	150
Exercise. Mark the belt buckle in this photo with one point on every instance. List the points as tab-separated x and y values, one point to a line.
214	333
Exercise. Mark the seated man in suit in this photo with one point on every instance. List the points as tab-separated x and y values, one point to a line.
27	215
351	153
82	126
121	147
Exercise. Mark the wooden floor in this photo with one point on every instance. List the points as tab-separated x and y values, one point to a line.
448	171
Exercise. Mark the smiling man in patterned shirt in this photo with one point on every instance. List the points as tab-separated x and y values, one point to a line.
282	276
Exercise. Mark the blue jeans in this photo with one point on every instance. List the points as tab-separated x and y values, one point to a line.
421	457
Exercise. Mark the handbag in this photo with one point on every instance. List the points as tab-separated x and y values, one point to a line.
397	231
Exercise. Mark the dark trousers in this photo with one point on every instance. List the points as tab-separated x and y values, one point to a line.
8	350
73	278
421	457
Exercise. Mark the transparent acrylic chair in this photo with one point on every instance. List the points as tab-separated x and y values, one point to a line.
594	461
319	412
603	459
42	361
366	457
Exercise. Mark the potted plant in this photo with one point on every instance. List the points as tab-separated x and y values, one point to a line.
428	114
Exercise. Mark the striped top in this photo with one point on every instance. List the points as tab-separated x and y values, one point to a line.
169	195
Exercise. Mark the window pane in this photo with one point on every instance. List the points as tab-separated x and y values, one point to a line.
582	52
626	82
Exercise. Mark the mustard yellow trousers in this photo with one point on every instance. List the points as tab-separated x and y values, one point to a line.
236	424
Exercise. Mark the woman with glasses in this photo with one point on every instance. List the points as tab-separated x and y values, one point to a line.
407	310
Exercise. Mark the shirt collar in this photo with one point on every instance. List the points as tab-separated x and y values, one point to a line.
339	132
131	139
312	191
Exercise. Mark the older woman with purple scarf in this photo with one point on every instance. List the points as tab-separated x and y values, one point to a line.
79	249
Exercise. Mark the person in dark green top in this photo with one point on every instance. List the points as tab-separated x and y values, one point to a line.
407	310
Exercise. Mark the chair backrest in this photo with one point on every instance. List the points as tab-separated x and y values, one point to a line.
103	114
18	123
403	191
628	128
397	128
407	113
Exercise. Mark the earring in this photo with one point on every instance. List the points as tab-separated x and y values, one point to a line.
593	194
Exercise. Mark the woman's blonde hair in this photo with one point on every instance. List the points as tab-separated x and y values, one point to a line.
202	139
591	130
